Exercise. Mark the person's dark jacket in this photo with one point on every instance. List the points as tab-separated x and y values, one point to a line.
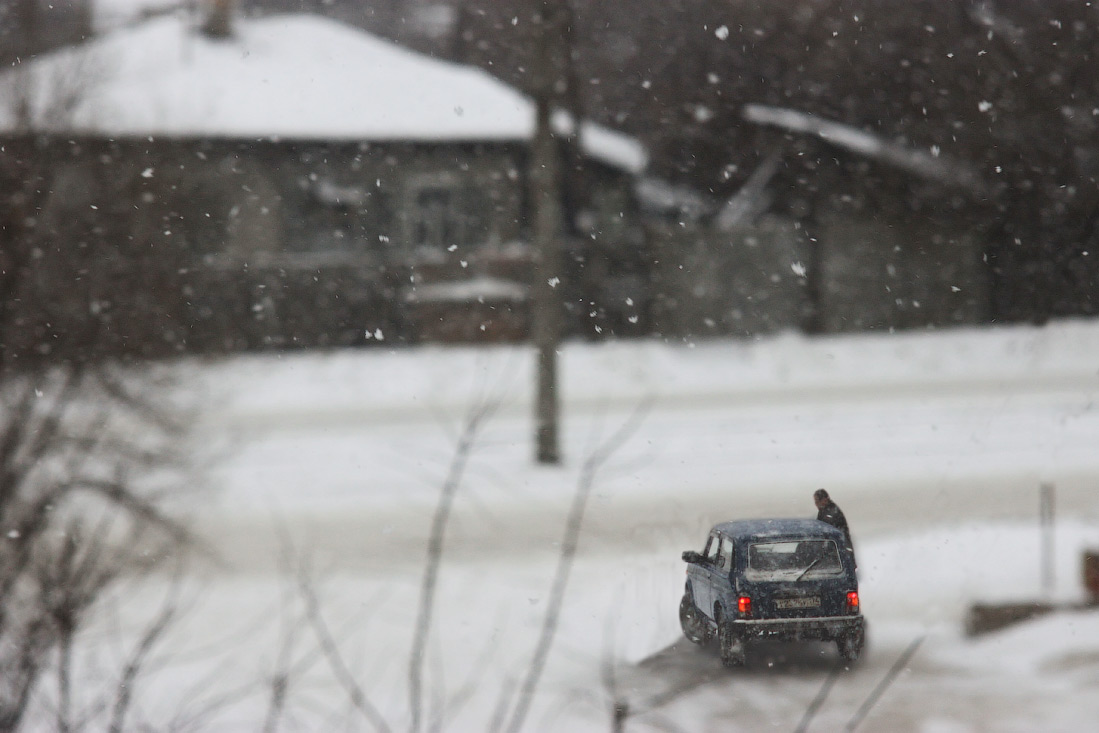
833	515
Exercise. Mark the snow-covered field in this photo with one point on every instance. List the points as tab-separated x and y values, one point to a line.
935	445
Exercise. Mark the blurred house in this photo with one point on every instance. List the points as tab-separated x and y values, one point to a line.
295	182
833	230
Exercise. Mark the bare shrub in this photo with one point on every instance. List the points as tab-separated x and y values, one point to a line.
86	452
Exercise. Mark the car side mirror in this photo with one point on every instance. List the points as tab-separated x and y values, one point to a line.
692	557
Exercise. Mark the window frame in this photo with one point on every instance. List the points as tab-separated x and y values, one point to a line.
435	227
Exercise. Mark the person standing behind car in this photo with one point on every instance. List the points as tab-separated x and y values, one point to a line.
828	511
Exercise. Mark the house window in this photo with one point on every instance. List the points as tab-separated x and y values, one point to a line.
437	222
350	216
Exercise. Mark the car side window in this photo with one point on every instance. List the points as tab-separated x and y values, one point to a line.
711	548
722	559
726	553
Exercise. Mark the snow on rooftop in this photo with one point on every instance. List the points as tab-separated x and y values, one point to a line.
289	76
930	165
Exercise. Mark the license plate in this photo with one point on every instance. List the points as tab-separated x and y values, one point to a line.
807	602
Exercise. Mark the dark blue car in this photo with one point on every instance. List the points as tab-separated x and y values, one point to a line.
785	579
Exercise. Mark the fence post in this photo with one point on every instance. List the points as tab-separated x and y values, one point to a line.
1046	495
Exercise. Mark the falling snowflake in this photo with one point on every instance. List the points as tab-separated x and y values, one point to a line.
702	113
798	268
722	32
984	106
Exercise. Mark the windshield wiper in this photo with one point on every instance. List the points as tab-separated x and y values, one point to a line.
811	566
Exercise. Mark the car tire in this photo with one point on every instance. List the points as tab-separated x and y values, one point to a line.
730	645
850	646
693	622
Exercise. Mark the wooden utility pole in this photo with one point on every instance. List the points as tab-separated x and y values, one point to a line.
218	20
545	197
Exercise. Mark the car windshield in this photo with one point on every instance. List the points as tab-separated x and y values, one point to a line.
793	560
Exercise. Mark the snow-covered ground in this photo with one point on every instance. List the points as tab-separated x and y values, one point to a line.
935	445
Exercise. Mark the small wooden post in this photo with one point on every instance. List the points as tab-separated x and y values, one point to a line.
1045	510
621	712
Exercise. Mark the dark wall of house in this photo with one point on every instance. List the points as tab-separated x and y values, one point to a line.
847	246
153	247
746	281
30	27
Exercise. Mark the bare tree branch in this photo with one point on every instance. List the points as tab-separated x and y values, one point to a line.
426	606
40	417
145	511
819	698
195	719
12	432
64	684
503	702
620	708
473	681
281	677
573	525
149	639
331	650
882	686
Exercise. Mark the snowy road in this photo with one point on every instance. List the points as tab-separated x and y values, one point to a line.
777	688
360	484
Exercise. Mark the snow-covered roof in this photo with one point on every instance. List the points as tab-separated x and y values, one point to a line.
664	197
931	165
293	76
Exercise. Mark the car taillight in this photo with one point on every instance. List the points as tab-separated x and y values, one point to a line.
853	601
744	606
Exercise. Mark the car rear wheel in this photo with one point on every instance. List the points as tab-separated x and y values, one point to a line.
692	622
731	645
850	646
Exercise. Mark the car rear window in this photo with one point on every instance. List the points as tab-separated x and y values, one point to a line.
793	560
